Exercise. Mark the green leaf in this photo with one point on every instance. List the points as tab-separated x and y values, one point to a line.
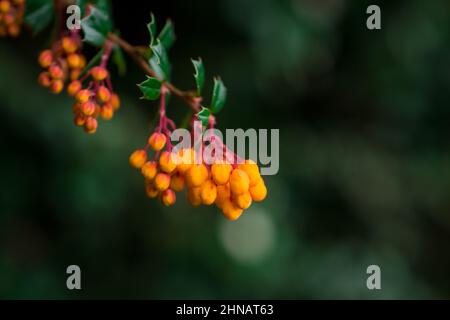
199	74
39	14
203	115
160	61
96	27
167	35
94	61
151	26
151	88
104	6
219	96
119	60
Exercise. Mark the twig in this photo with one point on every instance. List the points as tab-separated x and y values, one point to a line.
134	52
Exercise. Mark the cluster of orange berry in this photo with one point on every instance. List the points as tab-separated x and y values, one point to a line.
98	99
63	61
66	62
11	17
232	188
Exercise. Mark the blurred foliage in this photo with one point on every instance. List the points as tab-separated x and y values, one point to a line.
364	175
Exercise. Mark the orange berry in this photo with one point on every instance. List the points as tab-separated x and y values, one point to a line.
258	191
149	170
251	169
74	61
115	101
196	175
138	158
79	120
157	141
75	74
177	182
239	181
151	190
208	192
56	72
243	200
223	194
103	94
162	181
221	172
74	87
99	73
56	86
90	125
45	58
44	80
231	211
166	163
194	197
184	160
5	6
83	95
69	45
88	108
107	112
168	197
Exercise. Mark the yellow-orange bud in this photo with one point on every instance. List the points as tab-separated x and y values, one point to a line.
168	197
99	73
252	170
69	45
56	86
177	182
45	58
74	61
79	120
150	190
239	181
5	6
243	200
166	163
56	72
221	172
107	111
115	101
83	95
157	141
208	192
223	194
74	87
44	80
231	211
162	181
149	170
138	158
90	125
184	160
196	175
194	197
103	94
88	108
258	191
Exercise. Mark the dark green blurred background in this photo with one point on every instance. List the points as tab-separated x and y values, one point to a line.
364	175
